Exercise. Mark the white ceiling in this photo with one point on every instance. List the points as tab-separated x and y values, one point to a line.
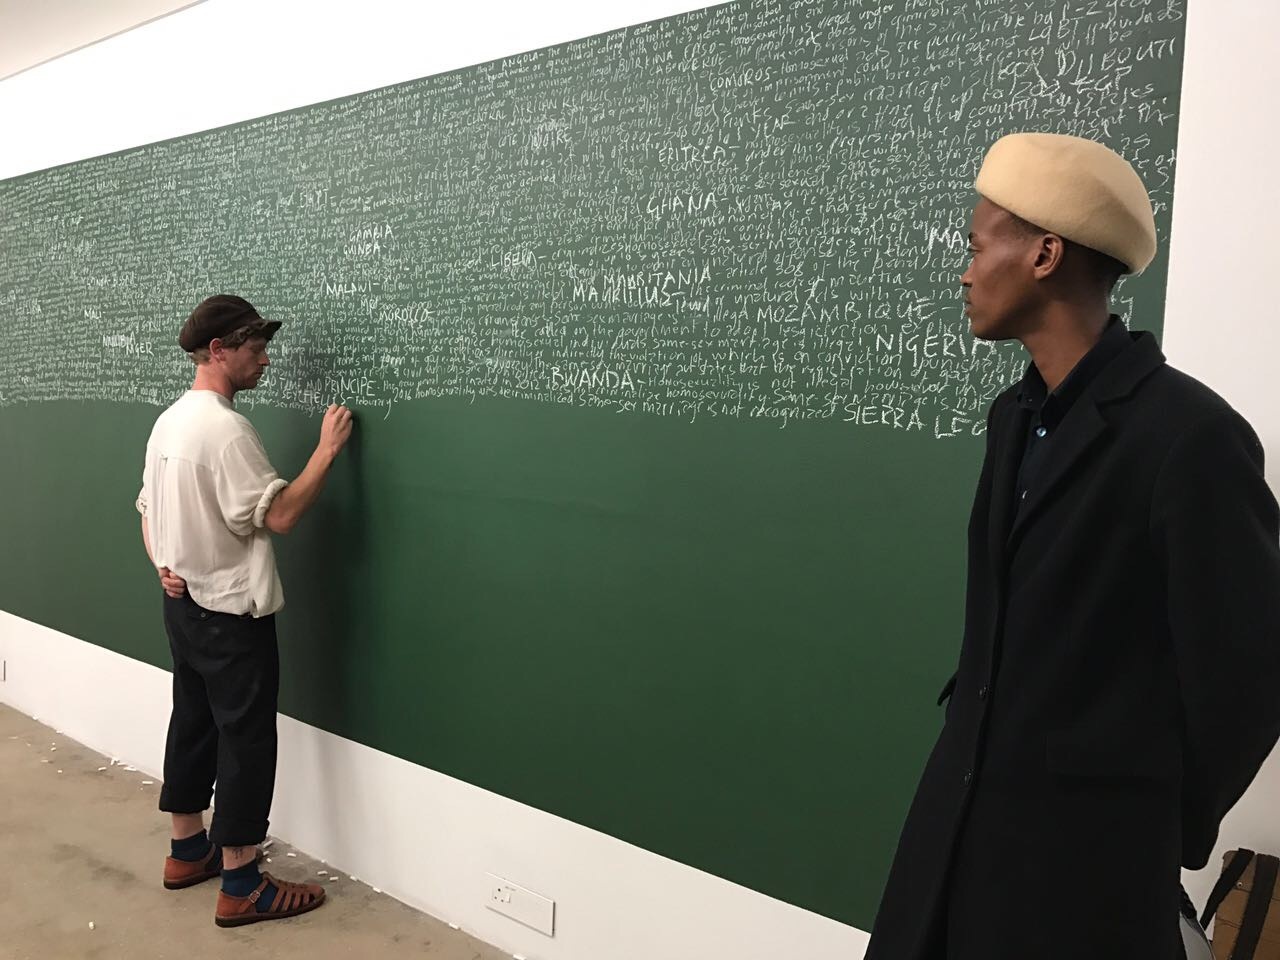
33	31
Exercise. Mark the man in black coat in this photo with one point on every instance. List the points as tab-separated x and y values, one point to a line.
1119	678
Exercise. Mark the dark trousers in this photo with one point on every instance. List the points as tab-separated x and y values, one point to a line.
226	680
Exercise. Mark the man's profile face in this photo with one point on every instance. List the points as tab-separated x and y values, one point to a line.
999	281
246	364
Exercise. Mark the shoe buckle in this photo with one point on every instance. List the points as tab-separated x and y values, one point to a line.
253	897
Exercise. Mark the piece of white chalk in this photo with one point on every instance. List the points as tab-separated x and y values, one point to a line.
100	769
376	890
90	924
59	771
290	854
147	783
267	844
353	879
455	926
322	872
332	879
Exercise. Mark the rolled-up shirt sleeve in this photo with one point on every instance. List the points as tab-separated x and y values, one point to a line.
141	502
246	483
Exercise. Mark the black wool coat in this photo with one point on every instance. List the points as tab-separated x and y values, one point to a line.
1118	685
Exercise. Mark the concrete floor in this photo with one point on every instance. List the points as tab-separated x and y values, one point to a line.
81	846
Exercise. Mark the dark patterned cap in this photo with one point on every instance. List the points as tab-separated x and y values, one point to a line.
218	317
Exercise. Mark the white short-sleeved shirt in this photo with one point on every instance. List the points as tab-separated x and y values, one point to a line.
206	487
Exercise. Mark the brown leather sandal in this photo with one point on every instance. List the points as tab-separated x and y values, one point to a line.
179	874
291	899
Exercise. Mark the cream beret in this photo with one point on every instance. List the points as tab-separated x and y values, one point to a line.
1076	188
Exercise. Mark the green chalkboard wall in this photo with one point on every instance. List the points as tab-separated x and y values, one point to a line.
668	415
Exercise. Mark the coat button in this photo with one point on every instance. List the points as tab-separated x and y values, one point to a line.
982	694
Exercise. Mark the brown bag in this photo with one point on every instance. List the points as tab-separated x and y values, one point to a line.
1246	900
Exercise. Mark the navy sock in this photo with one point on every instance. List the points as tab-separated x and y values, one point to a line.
191	849
242	881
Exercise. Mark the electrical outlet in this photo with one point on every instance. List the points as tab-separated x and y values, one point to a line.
521	904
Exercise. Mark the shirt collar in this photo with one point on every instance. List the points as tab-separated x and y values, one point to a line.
210	394
1033	393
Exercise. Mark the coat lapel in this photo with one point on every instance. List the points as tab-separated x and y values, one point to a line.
1083	427
1008	435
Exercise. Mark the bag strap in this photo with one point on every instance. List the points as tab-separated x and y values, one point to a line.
1231	873
1187	909
1255	910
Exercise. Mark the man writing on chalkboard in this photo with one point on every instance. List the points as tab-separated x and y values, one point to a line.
210	501
1116	690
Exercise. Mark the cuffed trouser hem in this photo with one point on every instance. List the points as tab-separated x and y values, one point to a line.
172	801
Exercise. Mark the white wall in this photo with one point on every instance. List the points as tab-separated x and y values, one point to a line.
34	33
172	77
1221	321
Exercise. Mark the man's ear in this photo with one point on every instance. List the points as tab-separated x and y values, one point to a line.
216	348
1050	252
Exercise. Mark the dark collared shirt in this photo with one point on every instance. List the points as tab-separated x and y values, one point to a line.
1049	409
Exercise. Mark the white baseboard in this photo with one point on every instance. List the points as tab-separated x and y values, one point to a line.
428	839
